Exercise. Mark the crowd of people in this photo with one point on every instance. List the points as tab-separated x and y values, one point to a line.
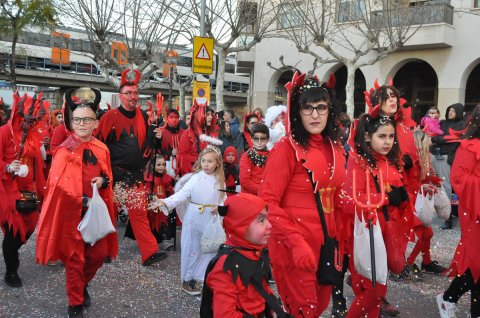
278	199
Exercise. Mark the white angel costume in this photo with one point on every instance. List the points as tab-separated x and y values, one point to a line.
201	193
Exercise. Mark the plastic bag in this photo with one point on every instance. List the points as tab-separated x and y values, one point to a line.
96	223
213	236
442	204
424	207
361	251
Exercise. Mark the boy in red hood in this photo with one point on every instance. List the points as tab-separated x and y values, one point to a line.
236	280
230	160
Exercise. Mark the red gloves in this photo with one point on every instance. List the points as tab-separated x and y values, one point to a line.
302	254
370	215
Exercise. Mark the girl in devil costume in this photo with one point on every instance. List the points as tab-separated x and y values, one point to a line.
308	160
465	267
230	160
375	150
171	135
203	130
161	185
20	159
79	161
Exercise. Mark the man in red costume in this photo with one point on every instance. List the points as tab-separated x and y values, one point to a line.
124	131
20	159
80	161
202	131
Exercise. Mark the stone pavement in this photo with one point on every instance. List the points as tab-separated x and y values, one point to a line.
124	288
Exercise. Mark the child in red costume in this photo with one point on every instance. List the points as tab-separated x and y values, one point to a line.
465	267
21	169
374	150
163	227
171	135
79	161
231	170
312	145
241	266
252	163
201	131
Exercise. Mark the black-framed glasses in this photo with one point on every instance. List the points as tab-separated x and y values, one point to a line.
260	139
321	109
130	93
85	120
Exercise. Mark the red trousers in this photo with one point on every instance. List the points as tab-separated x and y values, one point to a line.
424	236
79	273
137	212
367	298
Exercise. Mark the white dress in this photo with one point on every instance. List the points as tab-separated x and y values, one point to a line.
201	189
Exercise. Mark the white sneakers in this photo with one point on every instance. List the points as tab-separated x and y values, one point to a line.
446	309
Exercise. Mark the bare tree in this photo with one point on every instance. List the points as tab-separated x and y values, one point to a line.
148	28
182	87
353	32
235	26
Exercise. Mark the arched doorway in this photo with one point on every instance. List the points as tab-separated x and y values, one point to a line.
418	84
280	90
472	91
360	87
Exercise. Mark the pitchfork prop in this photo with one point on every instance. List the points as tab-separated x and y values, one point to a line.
371	207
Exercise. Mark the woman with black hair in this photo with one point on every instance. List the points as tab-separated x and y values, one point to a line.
307	161
465	265
225	135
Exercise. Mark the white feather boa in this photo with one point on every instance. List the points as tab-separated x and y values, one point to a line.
211	140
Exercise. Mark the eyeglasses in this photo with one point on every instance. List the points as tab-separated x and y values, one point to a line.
321	109
85	120
130	93
391	95
260	139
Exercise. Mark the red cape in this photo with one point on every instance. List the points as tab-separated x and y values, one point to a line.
57	234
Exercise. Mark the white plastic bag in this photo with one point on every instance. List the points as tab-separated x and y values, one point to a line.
169	166
424	208
213	236
96	223
361	251
442	204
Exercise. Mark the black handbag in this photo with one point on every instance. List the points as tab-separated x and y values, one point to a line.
27	203
330	264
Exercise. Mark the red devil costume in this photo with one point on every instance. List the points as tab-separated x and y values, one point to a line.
395	217
230	170
171	135
252	165
75	163
161	186
125	134
197	136
297	235
19	140
230	278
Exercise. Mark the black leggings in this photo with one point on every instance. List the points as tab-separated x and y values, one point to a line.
10	246
459	286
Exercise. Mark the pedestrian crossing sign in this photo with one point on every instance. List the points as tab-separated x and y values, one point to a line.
202	55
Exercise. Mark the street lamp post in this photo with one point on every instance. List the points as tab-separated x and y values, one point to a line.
171	58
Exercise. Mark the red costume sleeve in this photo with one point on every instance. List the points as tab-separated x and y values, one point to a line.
60	133
465	176
230	297
246	179
279	169
185	156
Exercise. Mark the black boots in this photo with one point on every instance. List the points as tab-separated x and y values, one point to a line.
86	298
75	311
13	280
448	224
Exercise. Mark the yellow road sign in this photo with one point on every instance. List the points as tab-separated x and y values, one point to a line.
201	92
202	55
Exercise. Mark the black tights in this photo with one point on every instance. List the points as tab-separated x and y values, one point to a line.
337	290
459	286
10	246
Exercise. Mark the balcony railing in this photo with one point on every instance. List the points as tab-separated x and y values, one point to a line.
429	13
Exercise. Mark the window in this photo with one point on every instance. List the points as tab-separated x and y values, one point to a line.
476	3
247	16
352	10
246	39
289	16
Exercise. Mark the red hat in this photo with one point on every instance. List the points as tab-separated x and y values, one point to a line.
230	149
128	79
241	210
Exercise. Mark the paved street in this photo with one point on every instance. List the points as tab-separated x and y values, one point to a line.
124	288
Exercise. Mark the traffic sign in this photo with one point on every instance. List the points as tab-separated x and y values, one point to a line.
202	55
201	92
